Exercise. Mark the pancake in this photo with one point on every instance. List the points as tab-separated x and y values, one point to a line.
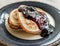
24	21
12	25
20	33
13	21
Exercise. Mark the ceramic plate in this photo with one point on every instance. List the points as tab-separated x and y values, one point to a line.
14	41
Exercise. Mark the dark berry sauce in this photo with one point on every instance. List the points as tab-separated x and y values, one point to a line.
31	14
39	18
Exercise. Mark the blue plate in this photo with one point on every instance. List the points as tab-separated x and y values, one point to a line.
8	38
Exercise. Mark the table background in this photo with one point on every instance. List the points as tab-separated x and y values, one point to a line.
55	3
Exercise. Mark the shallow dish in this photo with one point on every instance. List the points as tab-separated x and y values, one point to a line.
14	41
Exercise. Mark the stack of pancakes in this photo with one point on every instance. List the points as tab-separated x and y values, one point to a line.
17	21
13	20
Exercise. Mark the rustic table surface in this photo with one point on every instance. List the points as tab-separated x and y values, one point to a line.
54	3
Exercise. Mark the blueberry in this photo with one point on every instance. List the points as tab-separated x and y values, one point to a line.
19	10
31	9
44	33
